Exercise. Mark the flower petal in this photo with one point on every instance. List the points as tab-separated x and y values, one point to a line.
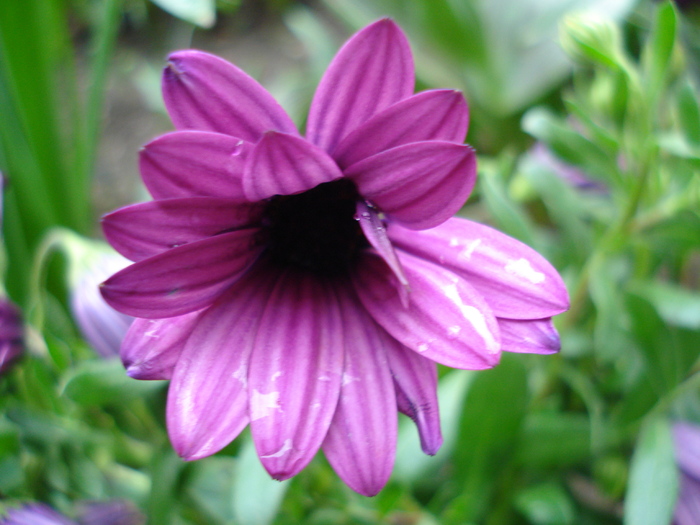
536	336
372	71
208	396
295	373
361	442
194	163
151	347
687	511
375	232
416	382
142	230
516	281
205	92
421	184
446	320
181	280
282	164
431	115
686	438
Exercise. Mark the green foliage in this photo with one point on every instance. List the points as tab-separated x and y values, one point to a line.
586	116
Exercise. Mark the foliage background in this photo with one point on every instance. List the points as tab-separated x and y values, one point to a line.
586	118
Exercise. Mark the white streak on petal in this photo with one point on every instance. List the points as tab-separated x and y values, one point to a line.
242	374
276	375
286	447
475	318
454	330
262	405
469	249
522	268
347	379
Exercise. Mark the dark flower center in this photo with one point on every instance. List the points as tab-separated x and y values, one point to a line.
316	230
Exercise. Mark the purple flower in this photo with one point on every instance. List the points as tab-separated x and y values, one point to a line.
686	437
89	513
308	286
11	335
35	514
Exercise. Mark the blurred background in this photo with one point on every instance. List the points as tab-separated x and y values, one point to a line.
586	119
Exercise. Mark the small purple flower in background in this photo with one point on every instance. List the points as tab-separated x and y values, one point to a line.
308	286
89	513
686	437
35	514
571	174
11	335
89	263
102	327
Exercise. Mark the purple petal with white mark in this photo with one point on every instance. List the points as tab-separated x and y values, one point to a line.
194	163
361	441
142	230
205	92
528	336
208	396
686	438
516	281
295	373
421	184
184	279
152	347
375	232
446	320
372	71
429	115
282	164
416	382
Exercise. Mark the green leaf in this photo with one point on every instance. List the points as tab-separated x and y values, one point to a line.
676	305
210	486
546	504
659	49
653	483
102	382
666	354
689	112
488	429
555	440
612	322
256	497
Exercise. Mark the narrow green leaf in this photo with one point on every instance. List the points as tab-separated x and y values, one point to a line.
688	109
509	215
488	429
101	382
653	483
659	50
